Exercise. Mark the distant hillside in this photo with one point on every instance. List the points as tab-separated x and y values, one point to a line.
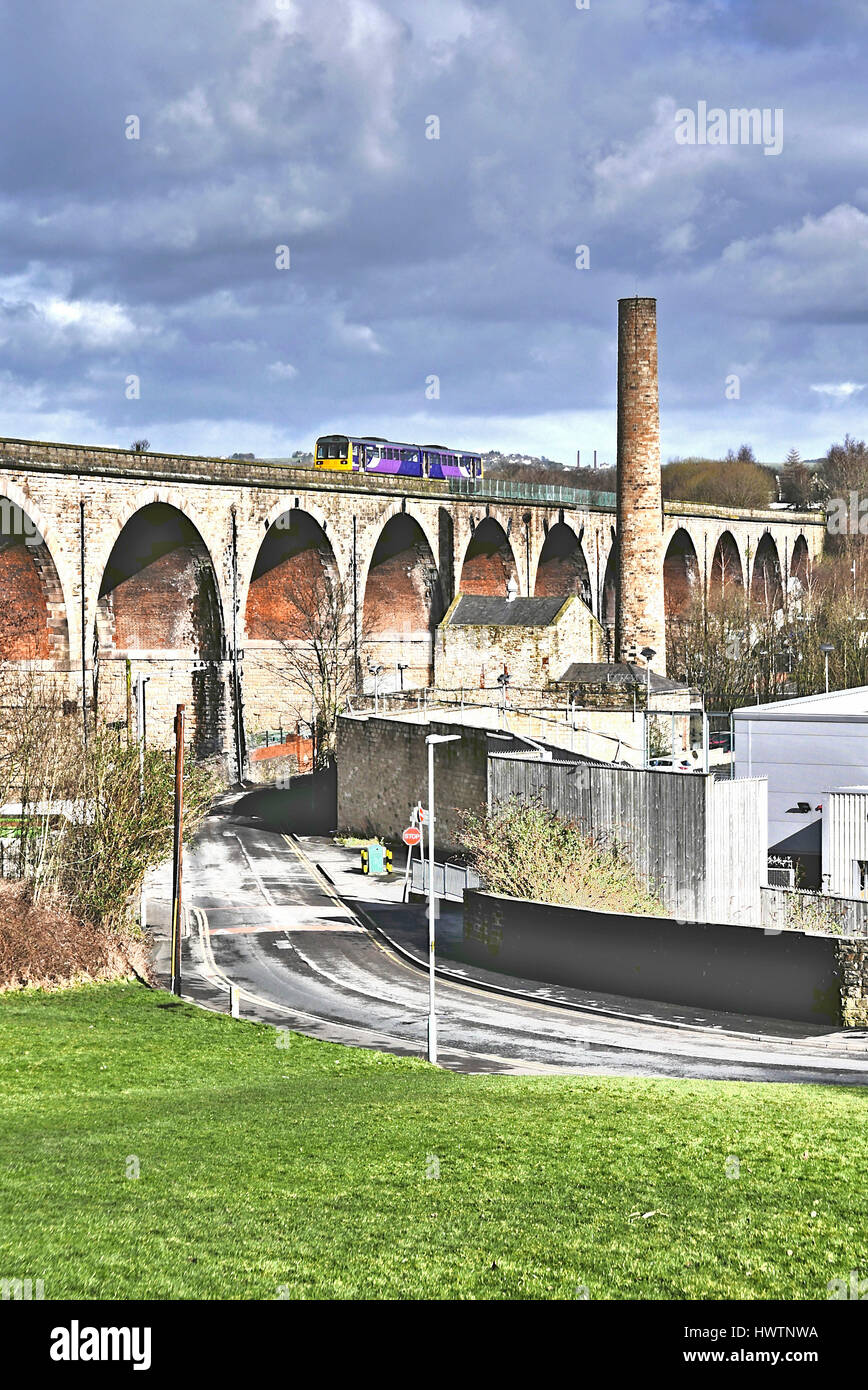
531	468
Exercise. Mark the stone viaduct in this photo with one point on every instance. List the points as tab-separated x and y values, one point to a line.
198	571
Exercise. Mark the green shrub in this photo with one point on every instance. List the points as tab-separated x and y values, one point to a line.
99	858
527	851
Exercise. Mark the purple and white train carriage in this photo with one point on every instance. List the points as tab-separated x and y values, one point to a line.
369	454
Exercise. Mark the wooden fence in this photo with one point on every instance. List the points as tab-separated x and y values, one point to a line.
700	842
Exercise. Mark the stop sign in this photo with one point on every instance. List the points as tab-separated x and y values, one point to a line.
411	835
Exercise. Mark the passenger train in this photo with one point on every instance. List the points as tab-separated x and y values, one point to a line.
369	454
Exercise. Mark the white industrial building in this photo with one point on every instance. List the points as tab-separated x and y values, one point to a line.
806	748
845	842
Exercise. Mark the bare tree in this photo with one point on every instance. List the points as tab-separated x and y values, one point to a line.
320	643
738	649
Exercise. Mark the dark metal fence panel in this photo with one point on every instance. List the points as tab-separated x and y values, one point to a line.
450	880
798	909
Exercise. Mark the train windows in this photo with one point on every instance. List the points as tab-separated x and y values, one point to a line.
332	449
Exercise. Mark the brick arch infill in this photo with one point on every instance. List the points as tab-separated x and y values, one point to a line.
96	563
62	585
579	531
502	517
252	533
367	544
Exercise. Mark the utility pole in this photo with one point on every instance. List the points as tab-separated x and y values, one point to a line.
129	676
357	670
83	625
237	710
177	862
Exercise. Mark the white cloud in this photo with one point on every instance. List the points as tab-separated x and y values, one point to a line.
282	371
840	391
356	335
92	324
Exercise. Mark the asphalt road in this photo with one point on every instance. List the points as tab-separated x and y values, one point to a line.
263	918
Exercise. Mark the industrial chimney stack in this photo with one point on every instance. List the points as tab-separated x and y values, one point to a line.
639	614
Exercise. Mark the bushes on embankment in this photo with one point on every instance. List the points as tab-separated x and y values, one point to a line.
44	944
527	851
83	827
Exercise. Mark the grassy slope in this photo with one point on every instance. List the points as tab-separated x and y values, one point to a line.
305	1167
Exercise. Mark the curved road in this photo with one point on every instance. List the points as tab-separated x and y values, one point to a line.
265	919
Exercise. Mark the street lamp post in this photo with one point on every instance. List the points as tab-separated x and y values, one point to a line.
375	672
649	654
141	682
503	682
826	648
432	1016
402	667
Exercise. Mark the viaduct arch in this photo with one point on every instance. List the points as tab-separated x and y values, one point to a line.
562	567
399	549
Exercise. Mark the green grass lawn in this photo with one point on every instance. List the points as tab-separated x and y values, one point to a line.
310	1170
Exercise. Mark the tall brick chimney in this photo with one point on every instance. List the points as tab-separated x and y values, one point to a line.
639	614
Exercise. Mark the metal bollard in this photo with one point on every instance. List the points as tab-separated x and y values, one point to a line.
234	1001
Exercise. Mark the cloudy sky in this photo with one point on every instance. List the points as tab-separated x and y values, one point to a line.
304	124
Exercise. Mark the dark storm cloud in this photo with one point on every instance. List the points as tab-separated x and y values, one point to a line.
288	122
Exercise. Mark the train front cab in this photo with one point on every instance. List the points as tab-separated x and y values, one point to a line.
333	453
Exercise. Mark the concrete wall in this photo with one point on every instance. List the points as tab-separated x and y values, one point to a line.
729	968
383	771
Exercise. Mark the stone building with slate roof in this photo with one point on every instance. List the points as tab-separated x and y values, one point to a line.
533	640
